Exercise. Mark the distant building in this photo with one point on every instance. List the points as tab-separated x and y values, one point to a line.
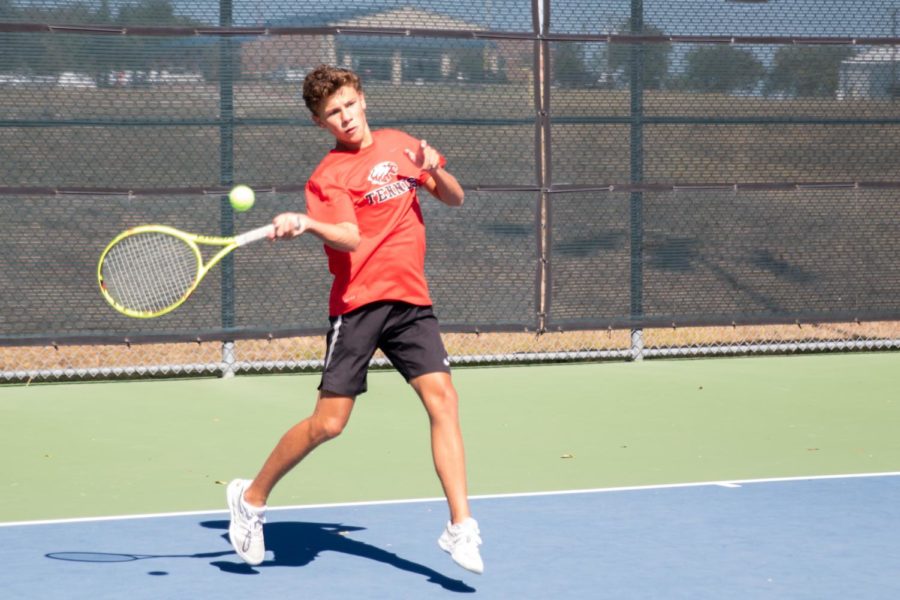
393	58
872	74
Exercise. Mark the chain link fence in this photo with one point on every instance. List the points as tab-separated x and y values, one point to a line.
644	178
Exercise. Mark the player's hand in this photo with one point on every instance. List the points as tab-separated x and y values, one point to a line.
289	225
425	157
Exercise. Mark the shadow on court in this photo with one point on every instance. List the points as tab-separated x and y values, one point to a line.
291	544
296	544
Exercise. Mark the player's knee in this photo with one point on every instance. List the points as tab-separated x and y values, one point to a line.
443	402
328	428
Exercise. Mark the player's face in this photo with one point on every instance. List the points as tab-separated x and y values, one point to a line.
343	114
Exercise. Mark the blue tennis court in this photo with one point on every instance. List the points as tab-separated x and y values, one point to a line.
828	537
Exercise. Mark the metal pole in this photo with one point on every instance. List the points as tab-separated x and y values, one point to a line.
636	79
540	12
226	175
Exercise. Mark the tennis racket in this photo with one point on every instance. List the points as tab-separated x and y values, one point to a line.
150	270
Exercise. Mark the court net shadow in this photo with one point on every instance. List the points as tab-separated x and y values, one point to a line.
296	544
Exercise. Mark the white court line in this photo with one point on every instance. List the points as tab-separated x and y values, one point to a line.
727	483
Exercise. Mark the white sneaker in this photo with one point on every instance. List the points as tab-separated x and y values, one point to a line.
462	541
246	528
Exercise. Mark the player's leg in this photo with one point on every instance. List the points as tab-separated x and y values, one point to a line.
442	405
351	343
412	342
247	499
330	416
461	537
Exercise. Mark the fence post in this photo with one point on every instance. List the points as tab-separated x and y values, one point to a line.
636	72
226	176
541	16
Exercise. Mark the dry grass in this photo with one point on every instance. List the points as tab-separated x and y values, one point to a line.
288	352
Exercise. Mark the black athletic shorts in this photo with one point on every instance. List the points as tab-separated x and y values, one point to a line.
408	335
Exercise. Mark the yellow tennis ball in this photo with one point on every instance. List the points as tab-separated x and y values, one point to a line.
241	198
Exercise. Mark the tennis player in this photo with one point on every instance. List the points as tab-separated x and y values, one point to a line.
362	202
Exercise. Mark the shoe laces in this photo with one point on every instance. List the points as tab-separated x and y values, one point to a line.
467	534
252	520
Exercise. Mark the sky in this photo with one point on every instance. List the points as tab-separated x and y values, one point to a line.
677	17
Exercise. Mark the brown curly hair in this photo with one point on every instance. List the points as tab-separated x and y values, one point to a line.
325	80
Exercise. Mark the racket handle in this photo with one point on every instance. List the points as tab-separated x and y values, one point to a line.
254	235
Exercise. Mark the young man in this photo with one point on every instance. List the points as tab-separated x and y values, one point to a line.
362	203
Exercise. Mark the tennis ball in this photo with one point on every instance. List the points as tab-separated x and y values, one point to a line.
241	198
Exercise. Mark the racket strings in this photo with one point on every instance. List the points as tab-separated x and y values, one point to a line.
149	271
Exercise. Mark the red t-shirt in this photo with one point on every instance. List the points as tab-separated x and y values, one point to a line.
374	187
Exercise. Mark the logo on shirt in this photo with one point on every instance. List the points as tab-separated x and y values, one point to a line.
385	174
391	191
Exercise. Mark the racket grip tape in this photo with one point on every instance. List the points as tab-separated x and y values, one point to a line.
254	235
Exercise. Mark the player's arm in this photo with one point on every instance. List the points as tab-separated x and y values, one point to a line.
340	236
442	184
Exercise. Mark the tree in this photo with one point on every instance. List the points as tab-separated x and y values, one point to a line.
7	9
807	70
470	64
655	57
148	12
722	69
147	53
569	69
103	14
63	52
8	61
98	55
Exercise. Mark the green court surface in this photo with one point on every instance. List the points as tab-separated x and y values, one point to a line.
120	448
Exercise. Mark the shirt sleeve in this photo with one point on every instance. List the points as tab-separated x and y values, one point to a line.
329	203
